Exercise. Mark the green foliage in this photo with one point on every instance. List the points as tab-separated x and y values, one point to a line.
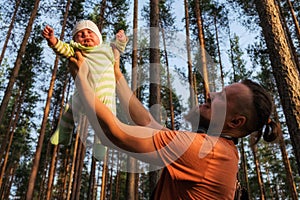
246	13
25	8
76	13
239	70
32	83
167	18
115	16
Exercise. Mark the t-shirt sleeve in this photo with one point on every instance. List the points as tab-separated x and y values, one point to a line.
180	154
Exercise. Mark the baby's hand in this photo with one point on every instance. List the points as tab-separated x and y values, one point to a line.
120	36
48	33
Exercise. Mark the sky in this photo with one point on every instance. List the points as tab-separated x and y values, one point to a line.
246	37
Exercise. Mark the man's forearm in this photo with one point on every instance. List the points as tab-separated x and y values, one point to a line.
134	109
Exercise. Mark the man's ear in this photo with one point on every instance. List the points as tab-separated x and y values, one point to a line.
237	121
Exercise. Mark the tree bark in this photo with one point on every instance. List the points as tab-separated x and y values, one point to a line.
244	168
74	159
193	99
12	79
286	162
131	162
288	35
168	79
219	51
51	173
104	177
201	38
92	185
101	15
294	17
154	75
284	69
259	175
11	25
11	130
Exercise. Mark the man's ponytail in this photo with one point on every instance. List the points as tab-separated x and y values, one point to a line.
271	131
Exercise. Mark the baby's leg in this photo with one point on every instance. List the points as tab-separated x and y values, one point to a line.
64	131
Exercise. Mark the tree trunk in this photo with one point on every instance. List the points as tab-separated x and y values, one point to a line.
76	184
288	35
154	75
271	196
6	137
244	168
203	61
284	69
287	165
43	174
130	179
131	162
104	177
101	15
117	197
66	169
74	159
259	175
168	80
296	23
79	168
52	172
193	99
12	79
55	149
11	130
232	57
45	118
11	25
219	51
92	182
6	190
134	48
111	174
286	162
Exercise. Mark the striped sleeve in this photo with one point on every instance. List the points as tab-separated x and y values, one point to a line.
120	45
63	49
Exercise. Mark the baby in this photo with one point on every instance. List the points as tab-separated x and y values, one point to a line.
100	58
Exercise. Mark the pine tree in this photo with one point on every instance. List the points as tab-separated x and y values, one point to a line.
284	69
18	61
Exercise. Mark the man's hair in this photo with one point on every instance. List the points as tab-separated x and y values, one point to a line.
263	106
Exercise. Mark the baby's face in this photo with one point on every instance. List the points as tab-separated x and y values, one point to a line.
87	38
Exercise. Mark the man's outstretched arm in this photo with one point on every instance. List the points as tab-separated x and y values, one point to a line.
134	109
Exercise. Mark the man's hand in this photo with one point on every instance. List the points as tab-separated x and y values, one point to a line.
48	34
77	64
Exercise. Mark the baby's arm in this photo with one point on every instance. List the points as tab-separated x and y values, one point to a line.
48	34
58	46
121	41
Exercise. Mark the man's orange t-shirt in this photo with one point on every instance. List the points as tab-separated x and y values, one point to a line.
198	166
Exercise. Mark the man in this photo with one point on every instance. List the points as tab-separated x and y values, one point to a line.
196	165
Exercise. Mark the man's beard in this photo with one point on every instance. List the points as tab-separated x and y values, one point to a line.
203	124
198	121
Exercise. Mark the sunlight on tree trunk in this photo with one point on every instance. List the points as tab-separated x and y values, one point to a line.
202	49
284	69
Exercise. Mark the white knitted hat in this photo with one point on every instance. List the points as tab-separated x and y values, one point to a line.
89	25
